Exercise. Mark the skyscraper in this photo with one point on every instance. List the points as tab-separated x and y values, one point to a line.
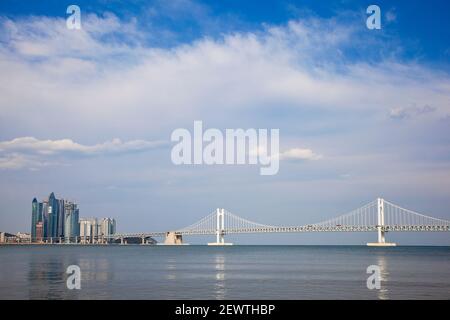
40	212
39	232
53	207
88	229
71	222
107	227
45	219
34	218
51	219
61	220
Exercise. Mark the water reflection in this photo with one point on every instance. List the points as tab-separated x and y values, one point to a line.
40	276
47	278
383	293
219	287
199	272
98	270
171	268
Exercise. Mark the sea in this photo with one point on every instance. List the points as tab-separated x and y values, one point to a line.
227	272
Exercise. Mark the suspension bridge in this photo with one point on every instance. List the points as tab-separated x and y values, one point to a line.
378	216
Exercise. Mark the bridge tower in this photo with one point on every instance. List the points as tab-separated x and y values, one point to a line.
380	227
172	238
220	229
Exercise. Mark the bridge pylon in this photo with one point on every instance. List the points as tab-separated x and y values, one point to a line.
380	227
172	238
220	229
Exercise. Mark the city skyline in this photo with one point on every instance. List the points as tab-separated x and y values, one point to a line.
361	113
377	216
54	219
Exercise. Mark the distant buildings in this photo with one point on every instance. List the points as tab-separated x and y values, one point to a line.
57	220
15	238
71	221
53	218
107	226
92	228
23	237
39	232
88	229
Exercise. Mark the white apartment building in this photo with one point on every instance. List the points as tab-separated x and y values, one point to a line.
92	229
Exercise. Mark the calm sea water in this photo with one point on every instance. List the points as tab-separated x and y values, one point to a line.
236	272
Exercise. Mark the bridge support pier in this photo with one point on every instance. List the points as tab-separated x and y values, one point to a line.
173	239
220	229
380	227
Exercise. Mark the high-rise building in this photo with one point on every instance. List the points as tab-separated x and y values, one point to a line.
93	230
88	229
107	227
55	223
53	212
40	211
39	232
45	218
113	226
57	219
34	218
61	218
71	222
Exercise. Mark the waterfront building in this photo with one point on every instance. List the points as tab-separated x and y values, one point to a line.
34	217
51	219
107	227
71	222
6	237
39	232
53	211
61	218
93	230
45	219
23	237
88	229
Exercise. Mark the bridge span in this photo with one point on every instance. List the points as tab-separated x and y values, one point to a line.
378	216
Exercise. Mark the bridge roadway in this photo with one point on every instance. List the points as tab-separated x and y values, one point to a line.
293	229
378	216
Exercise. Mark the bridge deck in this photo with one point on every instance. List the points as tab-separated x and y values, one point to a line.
294	229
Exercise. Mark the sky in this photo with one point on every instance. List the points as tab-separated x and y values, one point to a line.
88	113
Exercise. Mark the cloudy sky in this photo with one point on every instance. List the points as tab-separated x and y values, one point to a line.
88	114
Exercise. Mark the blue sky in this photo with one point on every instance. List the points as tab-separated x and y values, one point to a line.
88	114
424	28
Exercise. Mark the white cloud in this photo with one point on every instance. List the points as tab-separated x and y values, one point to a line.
85	78
31	144
82	84
45	37
410	112
31	152
15	161
299	154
